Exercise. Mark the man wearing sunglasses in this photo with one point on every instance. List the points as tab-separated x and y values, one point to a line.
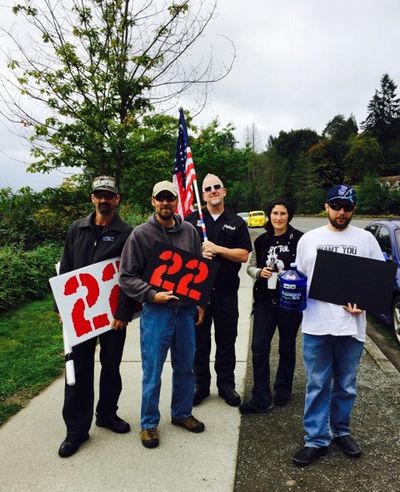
229	244
166	322
333	336
98	237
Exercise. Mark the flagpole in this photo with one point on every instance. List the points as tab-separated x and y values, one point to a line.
197	194
69	361
202	223
184	175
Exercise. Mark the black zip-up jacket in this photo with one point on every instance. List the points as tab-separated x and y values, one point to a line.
229	231
82	248
285	247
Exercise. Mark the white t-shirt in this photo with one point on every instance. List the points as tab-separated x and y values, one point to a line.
324	318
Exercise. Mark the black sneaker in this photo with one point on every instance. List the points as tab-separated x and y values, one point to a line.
230	396
281	400
114	423
348	445
200	393
247	409
70	445
305	456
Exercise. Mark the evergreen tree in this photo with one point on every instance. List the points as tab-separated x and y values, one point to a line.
309	194
383	122
383	109
286	150
338	128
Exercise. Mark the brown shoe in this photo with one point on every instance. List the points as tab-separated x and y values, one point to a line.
191	424
150	437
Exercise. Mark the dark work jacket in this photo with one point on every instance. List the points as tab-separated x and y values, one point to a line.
262	245
82	248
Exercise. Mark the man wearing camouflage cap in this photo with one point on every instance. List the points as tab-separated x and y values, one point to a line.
98	237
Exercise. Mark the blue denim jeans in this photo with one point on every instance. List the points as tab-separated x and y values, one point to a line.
163	327
331	364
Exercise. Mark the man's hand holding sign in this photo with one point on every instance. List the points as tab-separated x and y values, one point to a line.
348	276
91	304
162	267
187	277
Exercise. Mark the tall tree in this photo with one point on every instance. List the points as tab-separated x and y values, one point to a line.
95	67
328	155
364	157
383	108
271	176
287	149
215	151
309	193
383	121
340	129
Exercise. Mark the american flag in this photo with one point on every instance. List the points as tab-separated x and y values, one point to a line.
184	173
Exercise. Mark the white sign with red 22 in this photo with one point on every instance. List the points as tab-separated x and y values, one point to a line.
87	299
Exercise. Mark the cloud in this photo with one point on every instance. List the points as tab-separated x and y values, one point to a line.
299	63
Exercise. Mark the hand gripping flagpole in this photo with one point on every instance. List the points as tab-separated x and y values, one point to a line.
69	361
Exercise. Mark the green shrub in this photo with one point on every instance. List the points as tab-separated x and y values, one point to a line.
25	274
29	218
372	198
133	214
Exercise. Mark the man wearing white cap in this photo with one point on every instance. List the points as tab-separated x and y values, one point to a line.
166	322
229	244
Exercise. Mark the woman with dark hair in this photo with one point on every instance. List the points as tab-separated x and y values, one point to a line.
273	251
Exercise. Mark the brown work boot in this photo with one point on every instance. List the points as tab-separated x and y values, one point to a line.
150	437
191	424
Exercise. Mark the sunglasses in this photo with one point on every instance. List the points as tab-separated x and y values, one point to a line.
107	195
161	197
336	206
216	187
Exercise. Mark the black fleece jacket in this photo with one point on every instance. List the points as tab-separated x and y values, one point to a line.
82	248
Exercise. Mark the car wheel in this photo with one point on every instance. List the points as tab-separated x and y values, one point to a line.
396	317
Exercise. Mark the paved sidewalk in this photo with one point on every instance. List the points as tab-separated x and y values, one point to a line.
184	462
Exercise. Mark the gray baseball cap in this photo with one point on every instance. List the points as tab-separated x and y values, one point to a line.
165	186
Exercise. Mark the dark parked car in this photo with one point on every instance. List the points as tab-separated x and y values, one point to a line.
387	233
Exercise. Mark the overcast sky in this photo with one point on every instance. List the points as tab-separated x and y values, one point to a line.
299	63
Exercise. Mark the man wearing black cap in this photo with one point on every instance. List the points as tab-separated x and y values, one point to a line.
98	237
166	322
334	335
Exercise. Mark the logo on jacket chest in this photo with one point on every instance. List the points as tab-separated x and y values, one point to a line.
107	239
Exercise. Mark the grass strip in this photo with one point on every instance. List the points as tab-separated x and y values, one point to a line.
31	354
